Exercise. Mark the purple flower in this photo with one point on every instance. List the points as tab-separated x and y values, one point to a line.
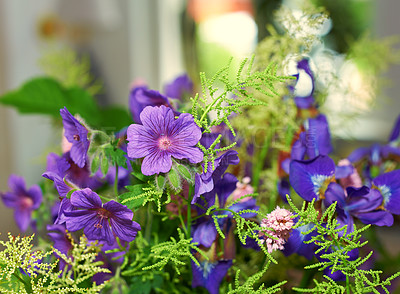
310	178
304	87
316	140
62	241
295	243
162	137
98	221
22	200
60	167
210	274
361	203
204	182
140	97
76	134
388	185
179	87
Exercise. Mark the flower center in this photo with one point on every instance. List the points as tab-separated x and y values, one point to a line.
164	143
26	202
102	214
76	137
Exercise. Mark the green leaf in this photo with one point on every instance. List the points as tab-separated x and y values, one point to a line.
104	165
174	179
160	181
134	191
137	172
114	118
184	171
95	164
44	95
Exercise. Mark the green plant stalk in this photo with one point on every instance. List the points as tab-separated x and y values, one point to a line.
258	161
189	211
116	181
28	287
347	285
147	234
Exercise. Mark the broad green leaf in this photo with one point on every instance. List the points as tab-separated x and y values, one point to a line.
174	179
45	95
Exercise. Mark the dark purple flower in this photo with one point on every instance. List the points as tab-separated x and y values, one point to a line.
179	87
295	243
310	178
316	140
61	241
63	167
98	221
388	185
141	97
22	200
161	137
204	231
210	274
76	134
361	203
204	182
394	135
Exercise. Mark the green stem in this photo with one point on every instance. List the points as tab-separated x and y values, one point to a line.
116	181
208	109
347	285
147	234
258	161
189	211
28	287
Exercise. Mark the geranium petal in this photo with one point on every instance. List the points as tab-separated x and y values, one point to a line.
86	198
156	162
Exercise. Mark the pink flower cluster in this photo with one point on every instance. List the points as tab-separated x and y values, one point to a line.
281	222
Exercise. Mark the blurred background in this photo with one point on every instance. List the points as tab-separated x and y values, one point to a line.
135	41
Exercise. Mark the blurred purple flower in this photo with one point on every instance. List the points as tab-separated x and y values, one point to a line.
98	221
141	97
388	185
22	200
179	87
210	274
162	137
76	134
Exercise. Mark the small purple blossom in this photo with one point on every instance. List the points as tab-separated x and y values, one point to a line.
388	185
161	137
98	221
23	200
76	134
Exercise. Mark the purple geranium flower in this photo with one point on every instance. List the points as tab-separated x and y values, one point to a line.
179	87
62	241
76	134
210	274
310	178
162	137
98	221
22	200
141	97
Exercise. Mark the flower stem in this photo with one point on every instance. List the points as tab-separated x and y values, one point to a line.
189	211
347	285
259	161
116	181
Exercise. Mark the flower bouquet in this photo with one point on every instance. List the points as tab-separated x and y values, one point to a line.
230	190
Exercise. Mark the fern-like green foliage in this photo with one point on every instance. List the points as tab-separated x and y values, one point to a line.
334	243
245	228
248	287
215	104
25	271
70	69
175	253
